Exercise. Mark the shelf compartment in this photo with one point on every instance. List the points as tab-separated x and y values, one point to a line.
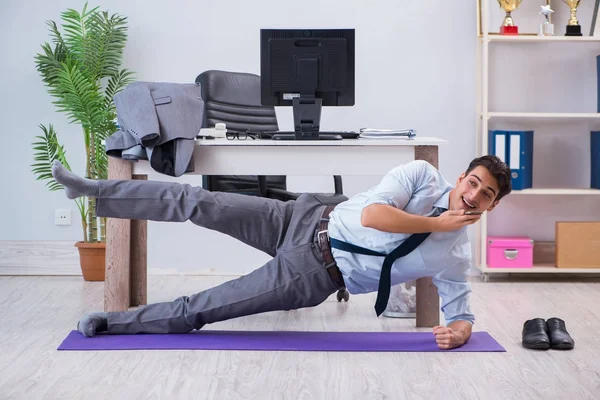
540	269
541	115
557	191
541	39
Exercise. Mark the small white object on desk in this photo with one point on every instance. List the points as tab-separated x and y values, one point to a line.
219	131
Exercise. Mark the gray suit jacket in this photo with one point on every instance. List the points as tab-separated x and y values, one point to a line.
158	122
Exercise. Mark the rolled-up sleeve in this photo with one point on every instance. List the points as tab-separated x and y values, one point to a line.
455	291
397	186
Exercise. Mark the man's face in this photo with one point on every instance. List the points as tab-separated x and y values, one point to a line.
475	191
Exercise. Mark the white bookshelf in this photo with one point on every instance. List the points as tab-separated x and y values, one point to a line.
536	269
539	39
485	116
557	191
544	269
536	115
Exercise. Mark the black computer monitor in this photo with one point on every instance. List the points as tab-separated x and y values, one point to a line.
307	69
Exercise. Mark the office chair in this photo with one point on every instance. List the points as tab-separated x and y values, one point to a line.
234	99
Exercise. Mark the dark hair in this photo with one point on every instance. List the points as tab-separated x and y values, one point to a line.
498	169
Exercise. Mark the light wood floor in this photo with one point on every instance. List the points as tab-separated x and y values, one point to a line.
36	313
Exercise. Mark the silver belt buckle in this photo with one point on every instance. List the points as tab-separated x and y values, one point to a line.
326	240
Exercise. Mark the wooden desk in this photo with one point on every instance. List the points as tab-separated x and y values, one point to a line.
126	242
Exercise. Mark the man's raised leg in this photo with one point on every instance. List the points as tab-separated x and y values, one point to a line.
256	221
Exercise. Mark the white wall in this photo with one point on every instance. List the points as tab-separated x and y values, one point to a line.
415	67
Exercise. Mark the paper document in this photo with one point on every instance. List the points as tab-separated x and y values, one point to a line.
387	133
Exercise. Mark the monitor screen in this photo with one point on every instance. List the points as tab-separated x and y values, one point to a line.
310	62
307	69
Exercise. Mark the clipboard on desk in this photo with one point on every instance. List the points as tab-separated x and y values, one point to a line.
373	133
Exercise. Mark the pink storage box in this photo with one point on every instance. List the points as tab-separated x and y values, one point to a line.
509	252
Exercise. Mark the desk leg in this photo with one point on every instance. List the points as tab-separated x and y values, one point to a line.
118	248
139	259
428	301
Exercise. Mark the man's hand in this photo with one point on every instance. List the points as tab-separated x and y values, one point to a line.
386	218
447	338
454	220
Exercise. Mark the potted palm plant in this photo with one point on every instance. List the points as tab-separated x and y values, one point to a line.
81	71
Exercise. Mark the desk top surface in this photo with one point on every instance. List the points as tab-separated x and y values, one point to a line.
403	141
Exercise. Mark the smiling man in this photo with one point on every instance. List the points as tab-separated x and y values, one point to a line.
301	236
413	199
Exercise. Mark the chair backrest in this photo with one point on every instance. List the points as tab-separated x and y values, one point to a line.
234	99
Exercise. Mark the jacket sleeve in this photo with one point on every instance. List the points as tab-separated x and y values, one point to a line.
119	142
137	113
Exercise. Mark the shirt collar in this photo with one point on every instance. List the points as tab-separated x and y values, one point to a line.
443	201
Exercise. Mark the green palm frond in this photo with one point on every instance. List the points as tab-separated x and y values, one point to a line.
116	82
96	40
80	34
56	35
46	150
49	62
108	128
114	31
76	96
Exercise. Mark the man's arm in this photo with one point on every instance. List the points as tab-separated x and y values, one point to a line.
454	335
455	291
384	209
388	218
391	219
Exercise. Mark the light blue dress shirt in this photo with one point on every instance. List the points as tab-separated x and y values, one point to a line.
417	188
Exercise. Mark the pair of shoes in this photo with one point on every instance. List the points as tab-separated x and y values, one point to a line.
541	335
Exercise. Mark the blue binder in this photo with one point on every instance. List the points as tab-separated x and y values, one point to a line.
598	82
515	148
595	154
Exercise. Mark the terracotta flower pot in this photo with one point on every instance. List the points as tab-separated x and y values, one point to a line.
92	258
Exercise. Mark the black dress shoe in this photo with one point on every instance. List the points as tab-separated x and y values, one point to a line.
559	337
535	335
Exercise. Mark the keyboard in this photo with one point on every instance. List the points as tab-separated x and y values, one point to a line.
323	135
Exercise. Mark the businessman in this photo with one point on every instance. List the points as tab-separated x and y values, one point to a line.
316	249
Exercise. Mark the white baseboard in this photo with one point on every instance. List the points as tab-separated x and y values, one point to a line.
54	257
200	272
39	257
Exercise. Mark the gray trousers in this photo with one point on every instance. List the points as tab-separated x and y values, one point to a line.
295	278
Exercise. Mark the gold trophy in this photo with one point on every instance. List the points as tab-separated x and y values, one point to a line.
508	27
573	27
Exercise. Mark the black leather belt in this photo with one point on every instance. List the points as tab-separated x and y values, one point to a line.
325	247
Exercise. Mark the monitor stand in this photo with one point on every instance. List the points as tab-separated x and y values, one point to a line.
307	118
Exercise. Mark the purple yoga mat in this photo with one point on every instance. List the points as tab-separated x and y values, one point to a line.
278	341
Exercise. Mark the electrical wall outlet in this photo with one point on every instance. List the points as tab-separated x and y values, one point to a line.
62	216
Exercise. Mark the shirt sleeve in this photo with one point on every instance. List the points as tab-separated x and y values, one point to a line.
397	186
455	292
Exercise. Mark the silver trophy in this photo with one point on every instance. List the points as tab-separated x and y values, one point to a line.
546	28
